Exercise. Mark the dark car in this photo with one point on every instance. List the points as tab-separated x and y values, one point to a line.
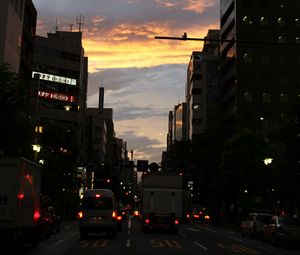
282	230
200	215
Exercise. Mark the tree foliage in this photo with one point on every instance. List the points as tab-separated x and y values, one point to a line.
16	129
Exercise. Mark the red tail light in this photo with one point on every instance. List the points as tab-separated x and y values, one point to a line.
188	216
119	218
20	196
206	217
176	222
147	221
36	215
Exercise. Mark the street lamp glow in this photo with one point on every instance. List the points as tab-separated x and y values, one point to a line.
268	161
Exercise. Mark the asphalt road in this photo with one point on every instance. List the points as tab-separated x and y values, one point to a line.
191	239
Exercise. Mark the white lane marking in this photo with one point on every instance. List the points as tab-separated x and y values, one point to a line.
236	239
181	234
201	246
58	242
194	229
128	243
208	229
129	223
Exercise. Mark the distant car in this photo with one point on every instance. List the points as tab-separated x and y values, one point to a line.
253	225
282	230
200	215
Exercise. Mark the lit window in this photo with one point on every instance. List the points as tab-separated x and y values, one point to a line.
297	22
266	98
247	58
281	21
264	21
283	98
282	39
196	107
247	20
248	97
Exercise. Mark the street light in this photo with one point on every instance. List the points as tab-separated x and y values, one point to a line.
268	161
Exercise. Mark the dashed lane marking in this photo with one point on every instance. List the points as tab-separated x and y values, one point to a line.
128	243
58	242
201	246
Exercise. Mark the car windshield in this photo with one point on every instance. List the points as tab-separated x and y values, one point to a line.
97	203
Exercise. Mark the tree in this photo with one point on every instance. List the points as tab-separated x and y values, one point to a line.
16	127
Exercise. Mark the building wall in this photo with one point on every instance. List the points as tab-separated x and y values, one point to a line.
62	85
260	71
11	17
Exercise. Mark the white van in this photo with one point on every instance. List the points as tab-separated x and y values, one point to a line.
98	213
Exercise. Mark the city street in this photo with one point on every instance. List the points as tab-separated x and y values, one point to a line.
190	239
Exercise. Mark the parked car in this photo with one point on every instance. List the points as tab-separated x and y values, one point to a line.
253	225
282	230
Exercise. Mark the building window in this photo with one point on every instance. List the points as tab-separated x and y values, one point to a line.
248	97
247	58
196	91
264	21
196	107
247	20
282	4
197	122
282	39
297	22
283	79
283	98
265	77
266	98
265	58
281	21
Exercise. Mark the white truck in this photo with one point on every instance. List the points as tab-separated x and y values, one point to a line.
20	185
161	201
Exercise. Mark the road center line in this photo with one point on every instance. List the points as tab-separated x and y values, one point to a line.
128	243
58	242
201	246
181	234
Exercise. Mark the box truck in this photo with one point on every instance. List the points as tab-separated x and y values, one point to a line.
161	201
20	214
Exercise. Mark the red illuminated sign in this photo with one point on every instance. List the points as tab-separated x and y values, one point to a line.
57	96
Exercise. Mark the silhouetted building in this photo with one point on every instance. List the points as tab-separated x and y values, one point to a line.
260	60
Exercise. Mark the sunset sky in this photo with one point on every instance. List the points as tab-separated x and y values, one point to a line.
143	78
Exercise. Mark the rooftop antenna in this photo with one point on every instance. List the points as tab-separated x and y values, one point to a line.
80	22
56	25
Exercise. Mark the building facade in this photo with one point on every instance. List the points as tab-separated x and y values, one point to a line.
202	87
260	60
60	76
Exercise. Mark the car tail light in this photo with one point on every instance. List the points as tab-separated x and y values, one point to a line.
98	195
80	215
20	196
188	216
36	215
119	217
147	221
114	214
206	217
176	222
196	216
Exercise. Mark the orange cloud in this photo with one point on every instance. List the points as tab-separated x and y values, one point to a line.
132	45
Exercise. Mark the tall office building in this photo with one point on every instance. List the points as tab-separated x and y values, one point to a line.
202	87
60	68
260	60
17	31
